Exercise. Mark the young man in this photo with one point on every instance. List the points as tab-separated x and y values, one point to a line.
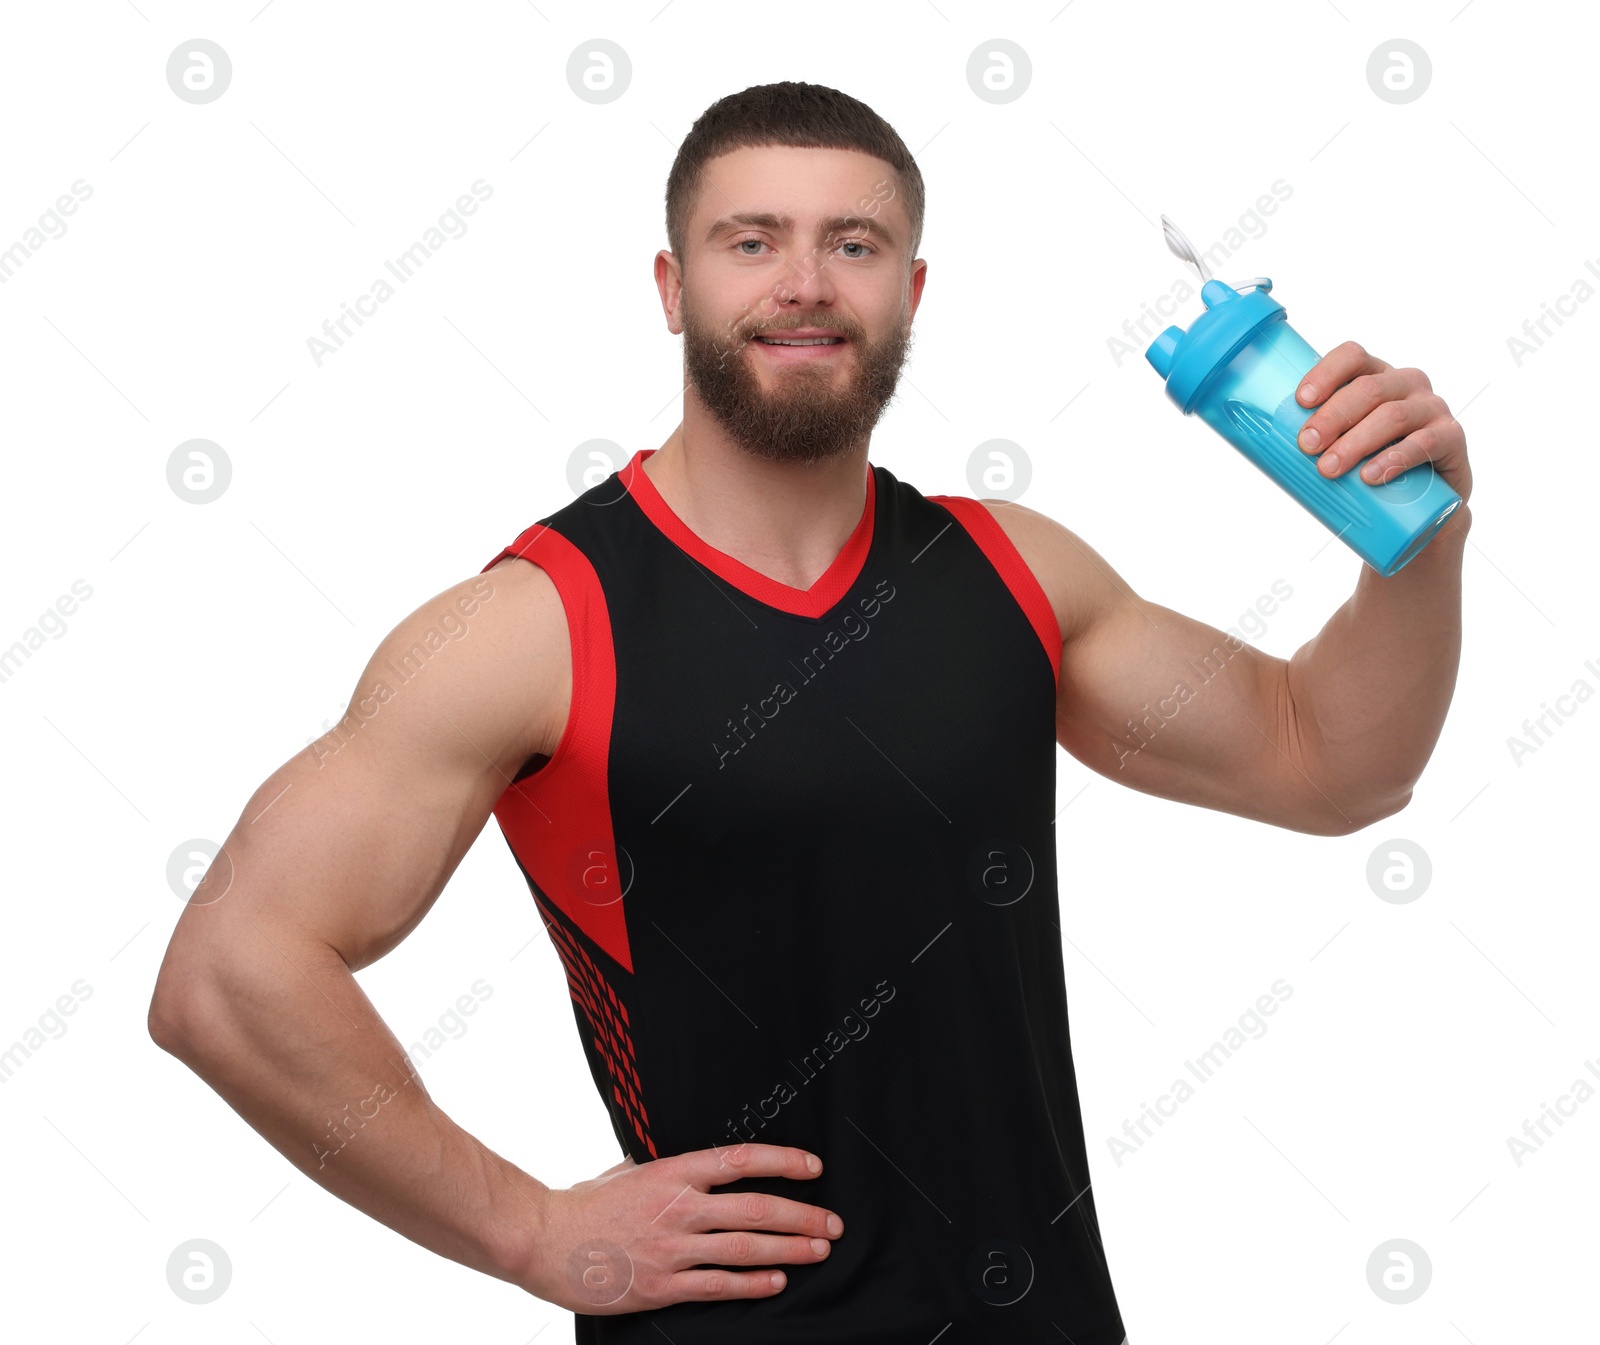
772	737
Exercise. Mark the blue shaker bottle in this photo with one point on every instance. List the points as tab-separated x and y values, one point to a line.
1239	366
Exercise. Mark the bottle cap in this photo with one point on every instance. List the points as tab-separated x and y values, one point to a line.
1187	358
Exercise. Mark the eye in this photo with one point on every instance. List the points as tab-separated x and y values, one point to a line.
856	243
743	241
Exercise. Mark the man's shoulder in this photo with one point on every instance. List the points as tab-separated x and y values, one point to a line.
512	618
1071	573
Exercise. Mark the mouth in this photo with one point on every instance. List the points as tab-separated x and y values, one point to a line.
788	347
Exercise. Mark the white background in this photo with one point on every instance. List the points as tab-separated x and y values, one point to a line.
220	638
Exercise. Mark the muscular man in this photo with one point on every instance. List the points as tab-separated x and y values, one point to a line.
772	737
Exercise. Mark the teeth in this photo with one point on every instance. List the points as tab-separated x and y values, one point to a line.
808	341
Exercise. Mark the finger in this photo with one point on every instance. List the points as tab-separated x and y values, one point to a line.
739	1248
756	1209
708	1167
703	1285
1415	449
1334	370
1349	406
1384	427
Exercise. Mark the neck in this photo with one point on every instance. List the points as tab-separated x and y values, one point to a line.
787	521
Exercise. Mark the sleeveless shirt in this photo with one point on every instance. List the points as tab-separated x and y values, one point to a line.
795	850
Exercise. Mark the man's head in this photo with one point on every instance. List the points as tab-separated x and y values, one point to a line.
793	211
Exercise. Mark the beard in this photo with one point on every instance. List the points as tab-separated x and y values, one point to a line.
812	412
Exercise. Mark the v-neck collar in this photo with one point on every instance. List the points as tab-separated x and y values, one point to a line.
830	586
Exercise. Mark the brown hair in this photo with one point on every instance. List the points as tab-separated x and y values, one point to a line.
806	116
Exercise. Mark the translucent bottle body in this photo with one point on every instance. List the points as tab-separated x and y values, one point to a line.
1250	400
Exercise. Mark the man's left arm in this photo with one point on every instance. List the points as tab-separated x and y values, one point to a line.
1373	686
1327	741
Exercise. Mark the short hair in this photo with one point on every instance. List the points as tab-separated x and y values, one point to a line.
804	116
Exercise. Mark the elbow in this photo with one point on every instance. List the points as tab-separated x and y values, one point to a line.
1376	810
171	1018
164	1020
1321	816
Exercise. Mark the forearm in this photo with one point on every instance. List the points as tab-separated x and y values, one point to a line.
1371	690
291	1043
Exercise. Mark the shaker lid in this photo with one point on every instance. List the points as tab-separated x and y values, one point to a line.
1187	358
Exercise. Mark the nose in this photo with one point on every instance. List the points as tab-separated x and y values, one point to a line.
807	281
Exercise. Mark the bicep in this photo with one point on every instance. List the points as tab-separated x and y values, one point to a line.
1174	707
350	841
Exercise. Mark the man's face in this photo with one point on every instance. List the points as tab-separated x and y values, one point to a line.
789	271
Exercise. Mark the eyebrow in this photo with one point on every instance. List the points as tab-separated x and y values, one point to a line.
763	219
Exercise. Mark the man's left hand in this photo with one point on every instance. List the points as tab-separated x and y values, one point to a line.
1364	405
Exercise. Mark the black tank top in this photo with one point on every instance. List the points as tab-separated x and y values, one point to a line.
796	851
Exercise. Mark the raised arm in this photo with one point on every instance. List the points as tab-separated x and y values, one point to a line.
1171	706
1327	741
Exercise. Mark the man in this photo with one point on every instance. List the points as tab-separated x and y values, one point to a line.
772	737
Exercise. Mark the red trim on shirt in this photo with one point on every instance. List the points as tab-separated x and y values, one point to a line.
985	530
558	820
829	587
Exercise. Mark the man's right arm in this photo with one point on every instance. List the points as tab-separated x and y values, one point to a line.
334	860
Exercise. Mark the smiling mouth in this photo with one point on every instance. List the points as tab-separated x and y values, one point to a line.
801	341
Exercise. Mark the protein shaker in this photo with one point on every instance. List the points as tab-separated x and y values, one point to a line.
1239	366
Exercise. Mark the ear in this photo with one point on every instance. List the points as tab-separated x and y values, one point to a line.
919	277
669	280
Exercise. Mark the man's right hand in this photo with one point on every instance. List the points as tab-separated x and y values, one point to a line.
639	1237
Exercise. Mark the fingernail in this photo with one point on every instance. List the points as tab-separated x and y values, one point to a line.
813	1163
835	1225
1307	393
1309	438
819	1246
1329	462
777	1279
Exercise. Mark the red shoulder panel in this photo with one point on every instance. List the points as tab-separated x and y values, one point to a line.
1002	552
558	820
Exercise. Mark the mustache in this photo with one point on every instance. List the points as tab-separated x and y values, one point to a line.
749	333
